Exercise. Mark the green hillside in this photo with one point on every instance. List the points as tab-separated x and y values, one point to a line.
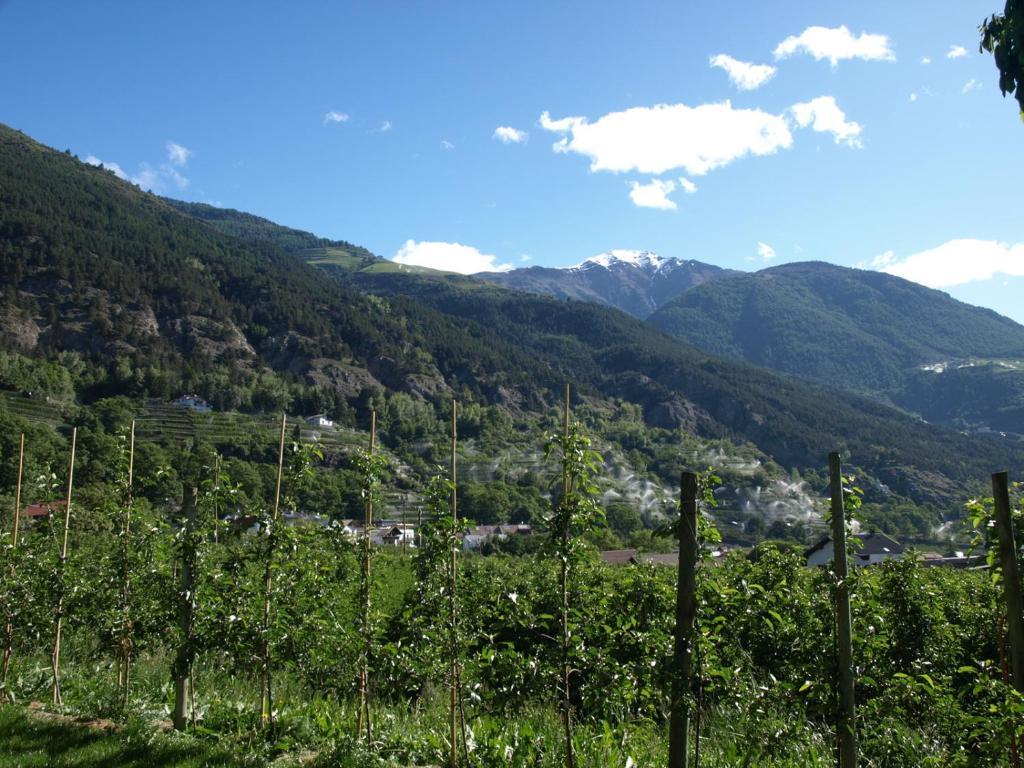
860	330
113	291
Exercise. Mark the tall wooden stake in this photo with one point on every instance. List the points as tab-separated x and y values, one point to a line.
847	720
686	612
9	623
570	750
453	639
363	716
17	492
186	611
1011	578
266	698
125	647
58	620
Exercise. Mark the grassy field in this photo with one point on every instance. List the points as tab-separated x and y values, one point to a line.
37	740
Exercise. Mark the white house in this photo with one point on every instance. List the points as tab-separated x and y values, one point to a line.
193	403
319	420
393	535
875	548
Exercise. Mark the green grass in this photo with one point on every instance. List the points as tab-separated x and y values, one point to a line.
32	741
350	262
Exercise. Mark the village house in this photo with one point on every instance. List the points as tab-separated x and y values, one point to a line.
41	511
193	403
385	533
319	420
874	548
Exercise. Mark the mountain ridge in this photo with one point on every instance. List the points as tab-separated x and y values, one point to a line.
637	282
135	297
861	330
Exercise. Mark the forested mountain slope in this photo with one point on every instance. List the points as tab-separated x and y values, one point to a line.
861	330
153	302
134	296
794	421
836	324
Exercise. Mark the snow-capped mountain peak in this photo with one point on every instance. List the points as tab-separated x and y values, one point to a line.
645	260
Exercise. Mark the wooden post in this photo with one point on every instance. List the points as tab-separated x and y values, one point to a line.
17	492
186	611
453	751
847	719
59	612
125	645
266	697
9	623
570	750
1011	578
364	673
686	612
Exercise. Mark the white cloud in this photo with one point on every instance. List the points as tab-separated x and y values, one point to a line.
836	45
956	52
177	154
955	262
175	178
823	114
525	257
148	179
385	126
925	60
449	257
666	136
506	134
913	97
93	160
744	75
654	194
970	85
445	144
157	180
765	251
335	117
687	186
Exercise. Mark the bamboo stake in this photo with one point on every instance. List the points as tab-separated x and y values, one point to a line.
266	700
125	650
847	725
570	751
364	674
686	611
17	492
186	611
9	623
216	496
452	612
59	613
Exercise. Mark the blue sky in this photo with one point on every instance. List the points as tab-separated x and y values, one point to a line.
376	123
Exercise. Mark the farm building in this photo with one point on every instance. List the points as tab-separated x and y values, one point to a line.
874	548
193	403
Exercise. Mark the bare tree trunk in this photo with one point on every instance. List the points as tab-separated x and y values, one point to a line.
9	622
58	620
266	697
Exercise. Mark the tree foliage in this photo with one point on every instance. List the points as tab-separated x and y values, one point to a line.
1003	37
